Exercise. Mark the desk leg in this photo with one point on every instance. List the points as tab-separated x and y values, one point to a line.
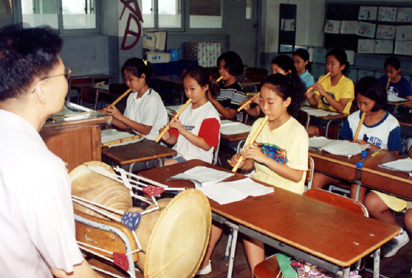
358	187
235	229
160	162
238	145
346	272
376	262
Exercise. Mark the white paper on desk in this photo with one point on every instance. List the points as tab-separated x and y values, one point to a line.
395	98
202	176
109	135
317	112
234	128
345	148
318	143
228	192
103	86
401	165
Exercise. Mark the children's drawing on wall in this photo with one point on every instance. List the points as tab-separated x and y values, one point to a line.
404	33
349	27
403	48
366	46
366	29
384	46
367	13
289	25
404	15
387	14
385	32
332	26
133	27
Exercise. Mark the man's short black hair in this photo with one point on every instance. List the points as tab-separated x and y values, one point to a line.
26	54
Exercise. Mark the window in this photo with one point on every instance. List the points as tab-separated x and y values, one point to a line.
206	14
68	16
162	14
5	7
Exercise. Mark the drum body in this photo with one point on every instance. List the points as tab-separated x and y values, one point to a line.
173	239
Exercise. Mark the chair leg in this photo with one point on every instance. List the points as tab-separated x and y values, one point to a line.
228	244
232	248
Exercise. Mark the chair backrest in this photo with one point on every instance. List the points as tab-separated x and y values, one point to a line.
80	80
310	172
337	201
304	119
256	74
88	94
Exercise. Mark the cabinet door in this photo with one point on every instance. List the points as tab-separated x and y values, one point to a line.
74	145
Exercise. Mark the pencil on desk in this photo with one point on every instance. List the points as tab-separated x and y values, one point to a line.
247	102
121	140
174	117
252	139
359	127
320	80
120	98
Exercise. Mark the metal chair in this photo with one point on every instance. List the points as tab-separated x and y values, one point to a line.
89	94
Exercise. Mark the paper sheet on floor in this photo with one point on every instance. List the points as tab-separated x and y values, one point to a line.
401	165
109	135
229	192
317	112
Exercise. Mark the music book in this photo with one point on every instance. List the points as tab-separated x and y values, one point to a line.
400	165
202	176
337	147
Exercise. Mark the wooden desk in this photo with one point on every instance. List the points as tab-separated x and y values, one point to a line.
381	179
236	140
137	156
76	141
328	119
311	230
170	87
96	77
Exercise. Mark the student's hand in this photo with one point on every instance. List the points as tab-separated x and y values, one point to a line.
175	123
112	110
360	142
247	107
104	110
209	96
232	162
309	94
165	136
253	152
318	87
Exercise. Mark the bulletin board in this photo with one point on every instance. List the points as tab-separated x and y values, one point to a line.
369	26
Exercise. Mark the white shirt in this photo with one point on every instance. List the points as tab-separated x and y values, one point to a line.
36	211
147	110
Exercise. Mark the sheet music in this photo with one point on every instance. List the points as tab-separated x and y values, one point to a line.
394	98
230	127
319	142
109	135
202	176
317	112
229	192
337	147
401	165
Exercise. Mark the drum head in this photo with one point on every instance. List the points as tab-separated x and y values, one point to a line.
180	237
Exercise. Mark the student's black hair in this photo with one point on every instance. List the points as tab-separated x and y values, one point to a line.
304	54
393	61
26	54
234	64
136	67
201	75
373	89
285	62
287	86
341	56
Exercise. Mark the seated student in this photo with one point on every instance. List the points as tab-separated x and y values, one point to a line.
380	129
38	236
195	134
398	84
336	92
281	64
145	112
231	94
302	66
279	156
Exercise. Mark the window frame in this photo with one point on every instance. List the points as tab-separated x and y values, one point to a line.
18	18
169	29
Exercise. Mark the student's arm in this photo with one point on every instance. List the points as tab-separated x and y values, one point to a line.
123	122
252	111
338	105
228	113
81	270
313	99
255	153
247	164
169	137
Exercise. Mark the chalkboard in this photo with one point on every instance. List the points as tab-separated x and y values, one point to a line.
349	10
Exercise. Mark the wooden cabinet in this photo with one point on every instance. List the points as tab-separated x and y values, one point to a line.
75	142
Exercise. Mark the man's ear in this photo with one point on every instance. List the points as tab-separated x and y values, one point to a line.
40	92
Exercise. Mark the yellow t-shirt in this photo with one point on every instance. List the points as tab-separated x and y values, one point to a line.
287	144
344	89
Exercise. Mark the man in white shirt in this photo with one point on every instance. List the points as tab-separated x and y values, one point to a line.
36	212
